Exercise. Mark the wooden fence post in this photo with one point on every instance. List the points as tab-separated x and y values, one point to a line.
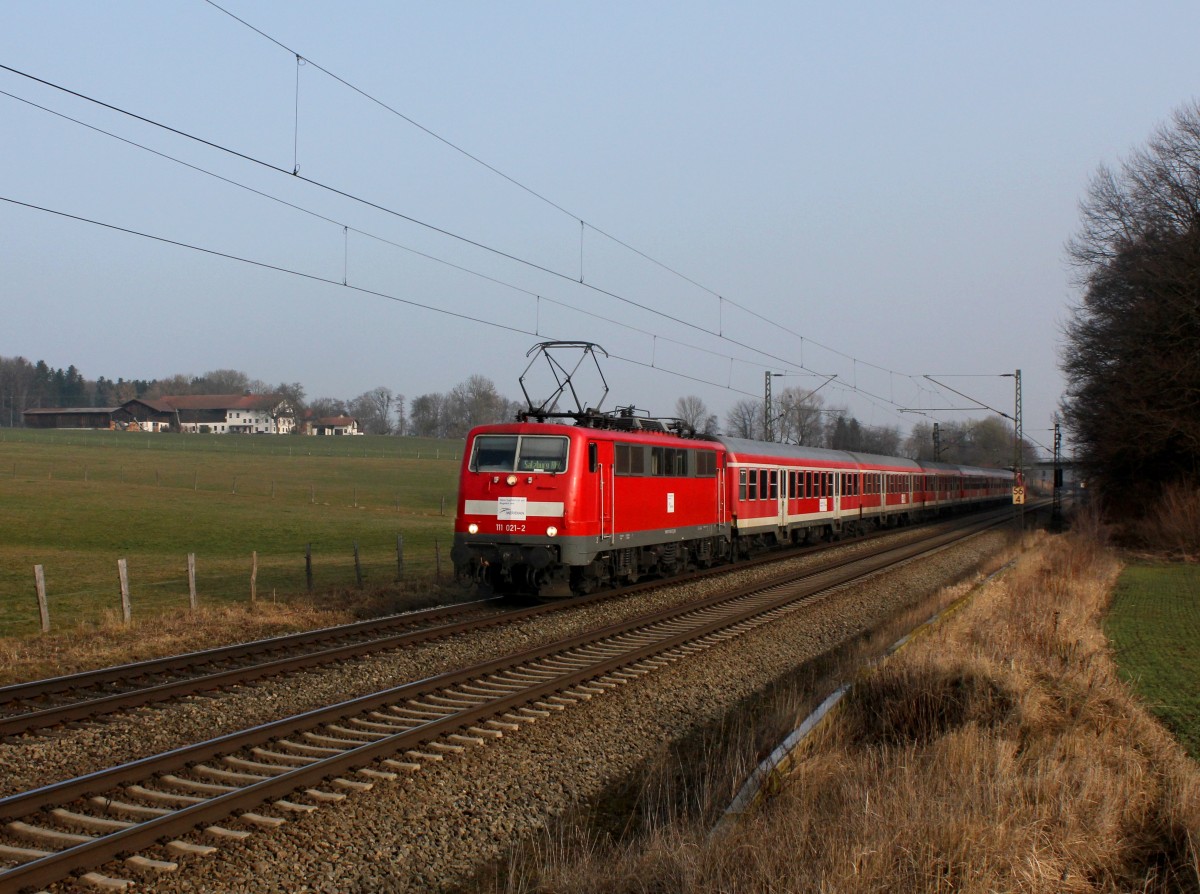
123	574
399	557
192	580
254	576
357	567
39	577
308	566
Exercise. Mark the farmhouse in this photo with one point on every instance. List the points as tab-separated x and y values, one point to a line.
195	413
332	425
233	414
142	415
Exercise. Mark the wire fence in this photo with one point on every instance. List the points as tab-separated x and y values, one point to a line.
145	588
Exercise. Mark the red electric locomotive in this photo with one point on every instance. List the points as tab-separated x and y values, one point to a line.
550	509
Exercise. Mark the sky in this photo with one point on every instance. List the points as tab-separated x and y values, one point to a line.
854	195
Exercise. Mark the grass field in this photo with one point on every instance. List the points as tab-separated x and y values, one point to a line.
1154	625
76	501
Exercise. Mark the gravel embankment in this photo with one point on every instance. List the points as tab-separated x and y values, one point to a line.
50	756
434	828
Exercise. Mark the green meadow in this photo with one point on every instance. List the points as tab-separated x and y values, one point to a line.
77	501
1154	626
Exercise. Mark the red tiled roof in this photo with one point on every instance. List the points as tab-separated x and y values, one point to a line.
336	420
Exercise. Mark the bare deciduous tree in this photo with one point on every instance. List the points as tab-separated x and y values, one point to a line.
373	410
1132	343
694	413
800	416
427	416
745	419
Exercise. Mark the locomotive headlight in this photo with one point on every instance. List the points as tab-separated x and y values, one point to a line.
551	531
511	480
472	528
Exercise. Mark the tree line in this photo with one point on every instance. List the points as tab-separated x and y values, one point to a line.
801	418
1131	355
379	411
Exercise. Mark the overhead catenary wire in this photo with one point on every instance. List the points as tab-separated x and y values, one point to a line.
347	230
548	201
312	277
719	333
393	212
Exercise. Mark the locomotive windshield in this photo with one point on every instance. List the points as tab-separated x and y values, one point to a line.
513	453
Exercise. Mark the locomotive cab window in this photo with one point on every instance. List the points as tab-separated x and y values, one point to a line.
541	454
494	453
513	453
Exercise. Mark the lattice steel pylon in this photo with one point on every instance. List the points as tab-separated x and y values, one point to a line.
1018	438
768	410
1056	513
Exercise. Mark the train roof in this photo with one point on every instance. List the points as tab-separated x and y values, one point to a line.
746	446
812	454
967	470
820	454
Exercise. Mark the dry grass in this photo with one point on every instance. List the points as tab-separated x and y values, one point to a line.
999	753
1173	526
111	642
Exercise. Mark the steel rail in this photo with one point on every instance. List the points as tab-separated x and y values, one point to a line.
47	869
120	673
15	724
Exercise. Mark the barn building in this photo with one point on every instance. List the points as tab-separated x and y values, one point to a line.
194	413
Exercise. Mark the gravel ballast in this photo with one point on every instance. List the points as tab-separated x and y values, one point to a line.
433	829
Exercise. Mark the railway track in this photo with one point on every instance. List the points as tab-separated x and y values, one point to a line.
193	797
74	698
25	707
